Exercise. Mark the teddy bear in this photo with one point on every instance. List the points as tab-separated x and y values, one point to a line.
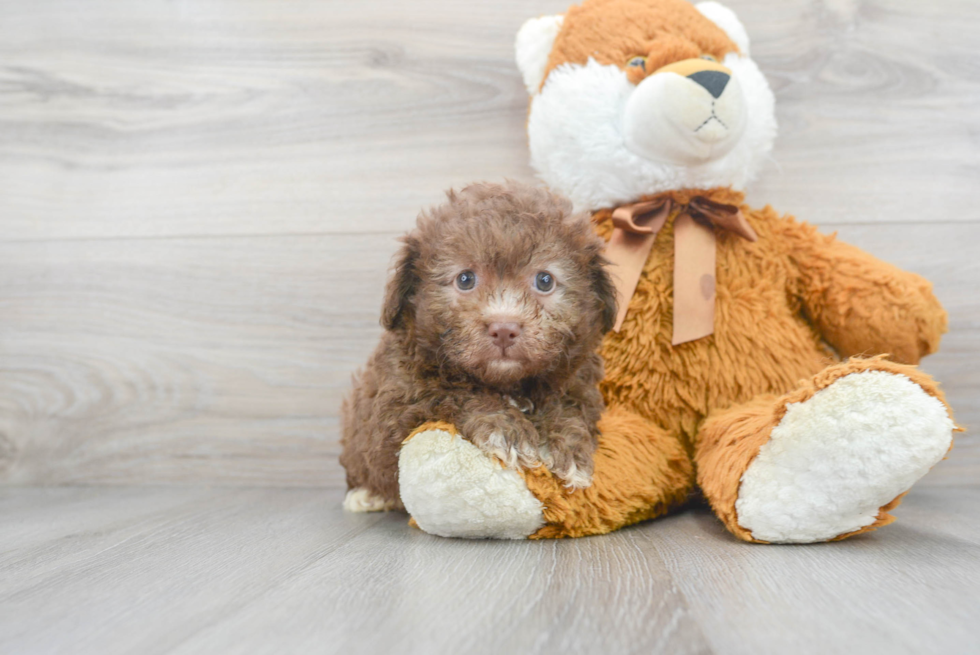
769	366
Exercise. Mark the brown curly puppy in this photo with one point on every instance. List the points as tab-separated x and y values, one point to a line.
492	321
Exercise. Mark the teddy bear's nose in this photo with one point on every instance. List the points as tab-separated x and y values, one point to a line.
714	81
504	334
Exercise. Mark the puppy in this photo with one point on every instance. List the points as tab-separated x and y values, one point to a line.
492	321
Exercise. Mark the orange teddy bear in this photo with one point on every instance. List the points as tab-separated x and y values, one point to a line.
769	364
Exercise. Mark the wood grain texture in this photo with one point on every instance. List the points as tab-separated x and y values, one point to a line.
213	360
225	360
250	117
907	588
253	118
189	570
200	200
140	571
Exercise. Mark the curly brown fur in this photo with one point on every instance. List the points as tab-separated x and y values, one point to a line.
516	368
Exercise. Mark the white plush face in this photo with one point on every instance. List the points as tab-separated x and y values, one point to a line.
688	119
603	140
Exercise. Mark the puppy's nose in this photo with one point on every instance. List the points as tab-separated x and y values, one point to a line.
504	333
713	81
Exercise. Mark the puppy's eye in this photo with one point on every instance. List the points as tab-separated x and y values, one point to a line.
709	58
466	280
637	62
544	282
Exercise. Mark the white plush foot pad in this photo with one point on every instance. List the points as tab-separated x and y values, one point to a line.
362	500
834	460
452	489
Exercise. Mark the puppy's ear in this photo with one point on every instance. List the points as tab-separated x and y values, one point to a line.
402	285
605	292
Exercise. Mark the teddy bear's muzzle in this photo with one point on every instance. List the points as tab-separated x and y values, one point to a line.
714	82
688	113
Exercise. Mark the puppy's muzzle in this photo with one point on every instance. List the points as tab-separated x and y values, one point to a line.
504	333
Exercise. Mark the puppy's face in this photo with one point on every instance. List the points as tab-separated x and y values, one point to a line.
504	306
503	284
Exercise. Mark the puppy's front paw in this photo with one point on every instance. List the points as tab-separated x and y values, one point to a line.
512	452
571	463
512	442
576	478
572	475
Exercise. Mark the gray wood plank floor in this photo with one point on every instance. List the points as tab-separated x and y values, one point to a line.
191	570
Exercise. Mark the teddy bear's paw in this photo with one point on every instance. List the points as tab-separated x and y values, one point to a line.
452	489
362	500
835	460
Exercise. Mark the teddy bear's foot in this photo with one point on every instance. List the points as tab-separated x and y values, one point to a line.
452	489
834	462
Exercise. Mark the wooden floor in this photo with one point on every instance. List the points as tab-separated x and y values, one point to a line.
187	570
198	203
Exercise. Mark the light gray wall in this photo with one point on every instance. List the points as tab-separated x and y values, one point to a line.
198	202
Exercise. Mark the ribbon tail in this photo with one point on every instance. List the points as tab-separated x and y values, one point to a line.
694	279
728	217
627	252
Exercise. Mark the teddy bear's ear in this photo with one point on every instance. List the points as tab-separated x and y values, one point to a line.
533	47
726	19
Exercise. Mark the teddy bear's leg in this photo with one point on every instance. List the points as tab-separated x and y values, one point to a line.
452	489
640	472
827	460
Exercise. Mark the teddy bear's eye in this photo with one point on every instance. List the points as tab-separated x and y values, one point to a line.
466	280
637	62
709	58
544	282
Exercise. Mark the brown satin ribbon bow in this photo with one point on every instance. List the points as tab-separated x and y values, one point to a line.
635	229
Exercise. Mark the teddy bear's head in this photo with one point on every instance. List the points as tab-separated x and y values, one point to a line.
635	97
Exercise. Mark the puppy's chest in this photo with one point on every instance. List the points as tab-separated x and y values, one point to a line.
521	403
539	411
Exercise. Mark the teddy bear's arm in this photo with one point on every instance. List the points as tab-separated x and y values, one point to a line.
860	304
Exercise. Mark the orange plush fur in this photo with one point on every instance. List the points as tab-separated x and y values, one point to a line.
761	356
613	31
789	307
